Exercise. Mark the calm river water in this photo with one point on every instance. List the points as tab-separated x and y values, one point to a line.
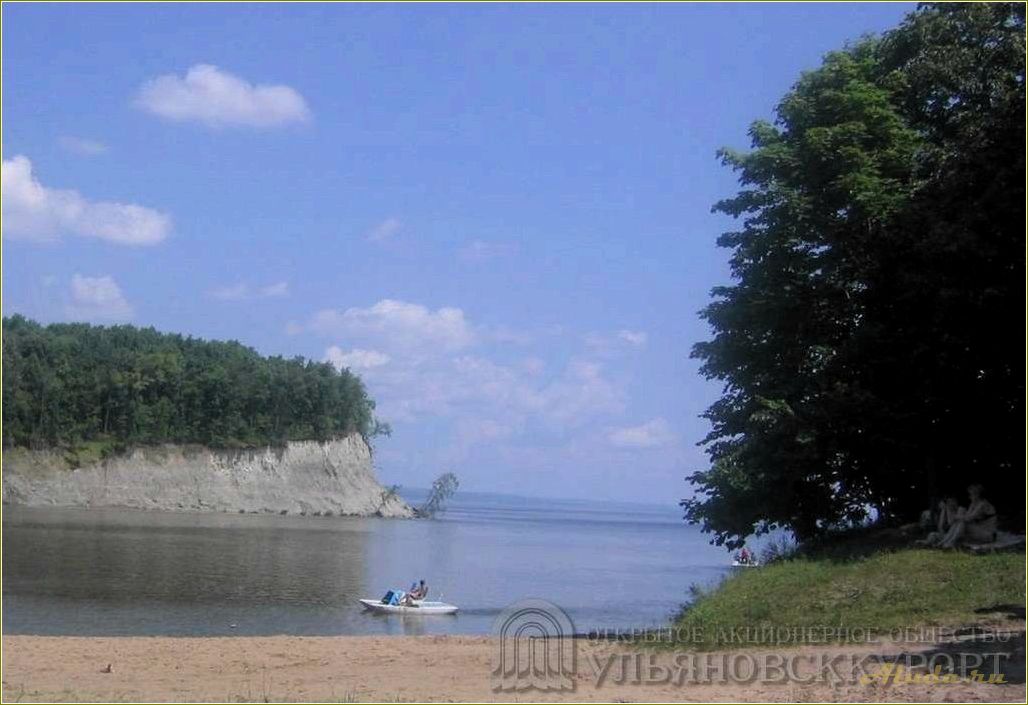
118	572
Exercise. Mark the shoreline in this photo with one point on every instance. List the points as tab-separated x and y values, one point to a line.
191	511
448	668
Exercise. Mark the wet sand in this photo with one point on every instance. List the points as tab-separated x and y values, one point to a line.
426	668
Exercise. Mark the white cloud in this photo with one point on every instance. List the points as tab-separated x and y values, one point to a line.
653	433
474	387
216	98
34	212
97	299
636	338
609	345
384	231
470	432
583	392
533	366
512	336
82	146
241	291
480	251
423	363
275	291
232	292
399	324
540	407
356	359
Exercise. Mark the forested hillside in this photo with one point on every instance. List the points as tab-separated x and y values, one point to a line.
69	384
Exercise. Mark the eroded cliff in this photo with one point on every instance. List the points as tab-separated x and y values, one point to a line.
303	477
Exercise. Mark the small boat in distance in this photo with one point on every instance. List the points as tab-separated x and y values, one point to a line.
740	564
415	607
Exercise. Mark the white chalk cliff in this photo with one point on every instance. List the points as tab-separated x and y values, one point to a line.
303	477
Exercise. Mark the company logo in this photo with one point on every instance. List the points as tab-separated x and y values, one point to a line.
536	648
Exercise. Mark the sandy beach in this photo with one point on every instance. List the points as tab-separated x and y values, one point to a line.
428	668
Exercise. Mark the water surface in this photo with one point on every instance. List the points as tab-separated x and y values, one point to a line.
123	572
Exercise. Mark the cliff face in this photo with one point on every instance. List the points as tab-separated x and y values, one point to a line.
307	477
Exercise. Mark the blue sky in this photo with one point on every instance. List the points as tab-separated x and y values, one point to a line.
499	215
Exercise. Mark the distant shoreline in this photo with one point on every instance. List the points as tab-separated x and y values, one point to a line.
392	669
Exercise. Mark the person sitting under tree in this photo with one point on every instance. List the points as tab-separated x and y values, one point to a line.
976	523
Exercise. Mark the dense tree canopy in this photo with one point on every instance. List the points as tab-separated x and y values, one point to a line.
872	343
65	384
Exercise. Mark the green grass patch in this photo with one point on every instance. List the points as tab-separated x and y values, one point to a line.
883	592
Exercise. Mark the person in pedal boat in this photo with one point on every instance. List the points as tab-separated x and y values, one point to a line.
418	591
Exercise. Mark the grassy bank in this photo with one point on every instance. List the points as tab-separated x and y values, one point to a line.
883	592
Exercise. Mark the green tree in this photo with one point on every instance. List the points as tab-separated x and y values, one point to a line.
67	384
443	488
864	348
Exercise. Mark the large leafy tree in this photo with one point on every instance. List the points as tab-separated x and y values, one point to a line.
871	343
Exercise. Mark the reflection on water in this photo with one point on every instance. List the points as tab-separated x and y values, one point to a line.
72	571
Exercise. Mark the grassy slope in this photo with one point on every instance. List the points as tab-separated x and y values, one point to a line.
906	588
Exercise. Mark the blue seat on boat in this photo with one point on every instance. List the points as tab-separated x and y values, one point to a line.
393	597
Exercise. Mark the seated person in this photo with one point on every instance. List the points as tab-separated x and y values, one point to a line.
412	594
417	592
948	511
976	523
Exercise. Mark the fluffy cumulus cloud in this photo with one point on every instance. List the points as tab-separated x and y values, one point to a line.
653	433
399	324
97	299
357	359
524	401
478	392
425	363
213	97
33	211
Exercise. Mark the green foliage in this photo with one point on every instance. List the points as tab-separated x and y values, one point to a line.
865	345
96	389
380	428
91	452
442	489
885	591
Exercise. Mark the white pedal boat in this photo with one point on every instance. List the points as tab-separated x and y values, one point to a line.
419	607
738	564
